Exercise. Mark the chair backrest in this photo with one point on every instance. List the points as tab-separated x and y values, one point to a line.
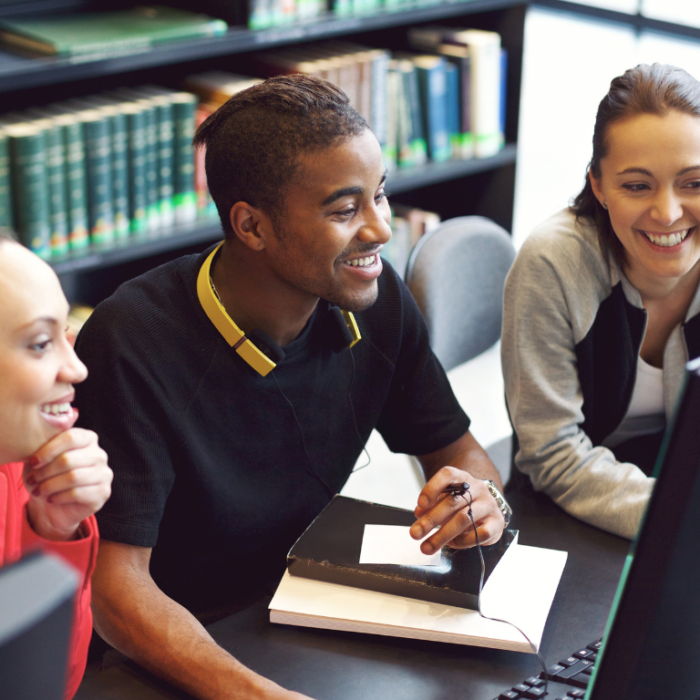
456	274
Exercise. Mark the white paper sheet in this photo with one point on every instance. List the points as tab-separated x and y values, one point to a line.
392	544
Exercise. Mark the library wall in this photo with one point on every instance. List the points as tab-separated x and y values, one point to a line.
568	64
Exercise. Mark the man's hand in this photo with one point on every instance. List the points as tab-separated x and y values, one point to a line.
450	512
68	480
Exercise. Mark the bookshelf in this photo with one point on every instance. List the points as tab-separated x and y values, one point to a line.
481	186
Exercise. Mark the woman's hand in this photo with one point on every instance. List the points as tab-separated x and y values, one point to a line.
68	480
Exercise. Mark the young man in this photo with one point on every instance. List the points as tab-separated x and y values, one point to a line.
221	458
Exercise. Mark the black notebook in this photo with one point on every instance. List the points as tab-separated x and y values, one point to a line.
329	550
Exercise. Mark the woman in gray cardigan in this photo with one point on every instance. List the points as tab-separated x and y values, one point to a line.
602	308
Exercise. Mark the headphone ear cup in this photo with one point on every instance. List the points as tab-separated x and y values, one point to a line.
266	345
338	331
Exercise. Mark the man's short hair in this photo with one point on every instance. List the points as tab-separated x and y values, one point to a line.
255	139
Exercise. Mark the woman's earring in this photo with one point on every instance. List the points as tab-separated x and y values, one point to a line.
605	206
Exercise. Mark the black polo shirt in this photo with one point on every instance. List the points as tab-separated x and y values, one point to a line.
209	461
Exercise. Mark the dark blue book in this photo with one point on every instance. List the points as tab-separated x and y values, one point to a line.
453	108
432	82
504	90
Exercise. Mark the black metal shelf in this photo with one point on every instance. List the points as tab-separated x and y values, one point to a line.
432	173
131	249
208	230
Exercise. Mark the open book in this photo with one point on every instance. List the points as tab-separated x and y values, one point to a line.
520	590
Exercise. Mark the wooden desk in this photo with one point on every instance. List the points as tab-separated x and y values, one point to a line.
344	666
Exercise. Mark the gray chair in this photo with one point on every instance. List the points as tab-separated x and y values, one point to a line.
456	274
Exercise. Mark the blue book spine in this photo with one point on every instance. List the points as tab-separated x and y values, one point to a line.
453	109
433	89
504	92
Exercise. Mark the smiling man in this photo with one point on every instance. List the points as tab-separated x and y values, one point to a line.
235	390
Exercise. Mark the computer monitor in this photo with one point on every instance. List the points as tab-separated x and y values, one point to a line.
651	647
36	610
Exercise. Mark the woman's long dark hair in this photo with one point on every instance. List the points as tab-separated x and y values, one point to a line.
654	89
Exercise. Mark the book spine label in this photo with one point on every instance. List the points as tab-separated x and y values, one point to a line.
166	160
503	94
136	129
184	199
467	138
152	209
404	153
453	116
5	183
486	93
58	208
31	192
379	97
76	186
417	153
433	98
389	152
99	171
120	175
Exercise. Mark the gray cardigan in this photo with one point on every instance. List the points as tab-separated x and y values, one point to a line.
572	328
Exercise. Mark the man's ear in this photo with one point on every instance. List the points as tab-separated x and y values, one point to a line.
251	225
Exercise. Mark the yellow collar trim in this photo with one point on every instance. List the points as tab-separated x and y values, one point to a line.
217	314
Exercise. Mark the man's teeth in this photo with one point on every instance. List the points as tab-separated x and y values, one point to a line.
667	240
362	262
56	408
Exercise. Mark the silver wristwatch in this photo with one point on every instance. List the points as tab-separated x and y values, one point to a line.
500	500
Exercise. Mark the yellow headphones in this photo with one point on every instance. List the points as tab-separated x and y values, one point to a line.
233	335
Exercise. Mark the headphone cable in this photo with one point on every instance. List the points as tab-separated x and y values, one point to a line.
354	420
330	491
481	587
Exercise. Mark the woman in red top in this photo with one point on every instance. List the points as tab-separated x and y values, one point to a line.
53	477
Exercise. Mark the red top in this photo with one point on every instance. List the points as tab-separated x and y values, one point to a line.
17	538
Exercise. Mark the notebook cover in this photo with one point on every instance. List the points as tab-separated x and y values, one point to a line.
329	550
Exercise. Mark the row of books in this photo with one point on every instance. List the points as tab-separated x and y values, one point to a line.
408	224
94	34
98	170
447	104
268	14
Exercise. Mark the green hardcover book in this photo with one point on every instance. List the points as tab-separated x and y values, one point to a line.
411	94
184	107
75	178
160	99
5	182
56	181
98	148
412	148
92	34
136	152
30	187
260	14
150	145
118	161
152	210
